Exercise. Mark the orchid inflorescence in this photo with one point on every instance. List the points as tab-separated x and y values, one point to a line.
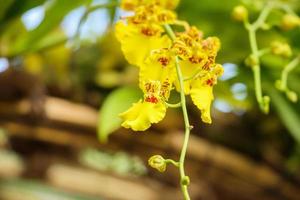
146	45
166	60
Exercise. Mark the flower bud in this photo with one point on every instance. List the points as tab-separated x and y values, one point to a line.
289	22
278	85
281	49
292	96
185	180
251	61
157	162
239	13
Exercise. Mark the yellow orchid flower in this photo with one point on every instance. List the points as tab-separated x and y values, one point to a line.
159	66
133	37
157	75
198	66
143	29
157	61
197	55
144	113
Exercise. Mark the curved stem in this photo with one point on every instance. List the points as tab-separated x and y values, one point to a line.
184	180
183	23
252	28
170	105
173	162
288	68
287	9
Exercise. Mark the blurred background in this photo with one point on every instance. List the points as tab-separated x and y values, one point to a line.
62	73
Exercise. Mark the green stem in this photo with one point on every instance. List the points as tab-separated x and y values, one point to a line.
288	9
184	180
263	52
256	67
284	75
173	162
263	16
252	28
183	177
176	105
170	32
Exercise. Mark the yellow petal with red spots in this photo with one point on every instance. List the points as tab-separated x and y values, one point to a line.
138	41
142	114
202	97
159	66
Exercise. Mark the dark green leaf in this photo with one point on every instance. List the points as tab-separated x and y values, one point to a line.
286	112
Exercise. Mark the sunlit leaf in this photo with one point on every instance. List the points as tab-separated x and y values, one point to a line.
117	102
53	16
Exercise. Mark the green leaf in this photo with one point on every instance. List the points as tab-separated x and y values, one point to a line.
53	17
286	112
117	102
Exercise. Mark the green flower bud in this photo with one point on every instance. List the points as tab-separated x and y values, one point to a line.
278	85
289	22
281	49
251	61
157	162
185	180
239	13
292	96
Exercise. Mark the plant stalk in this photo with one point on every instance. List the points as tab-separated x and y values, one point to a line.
184	180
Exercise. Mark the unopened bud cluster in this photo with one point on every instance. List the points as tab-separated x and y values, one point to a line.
281	49
290	21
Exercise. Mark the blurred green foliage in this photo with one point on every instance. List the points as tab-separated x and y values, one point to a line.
30	189
120	162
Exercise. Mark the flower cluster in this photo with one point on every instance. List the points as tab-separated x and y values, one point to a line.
146	45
